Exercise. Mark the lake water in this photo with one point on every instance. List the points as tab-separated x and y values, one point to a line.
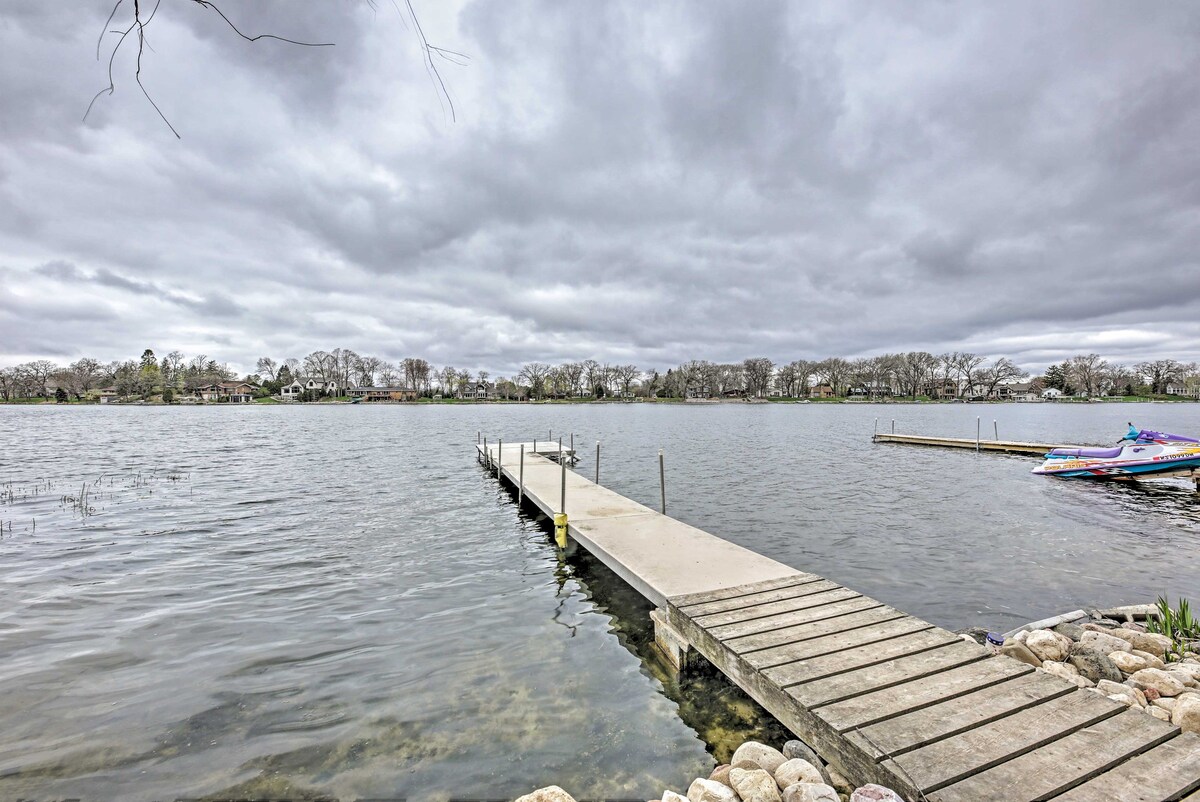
295	601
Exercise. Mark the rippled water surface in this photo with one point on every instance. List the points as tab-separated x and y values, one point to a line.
296	601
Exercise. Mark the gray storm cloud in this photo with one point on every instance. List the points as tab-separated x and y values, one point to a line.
631	182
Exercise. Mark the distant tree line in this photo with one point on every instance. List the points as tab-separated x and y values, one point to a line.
913	374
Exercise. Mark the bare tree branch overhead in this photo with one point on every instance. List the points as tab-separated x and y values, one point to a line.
139	21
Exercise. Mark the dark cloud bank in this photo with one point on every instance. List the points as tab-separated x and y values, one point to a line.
626	181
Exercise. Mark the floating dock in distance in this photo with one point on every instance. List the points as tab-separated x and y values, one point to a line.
1010	446
883	696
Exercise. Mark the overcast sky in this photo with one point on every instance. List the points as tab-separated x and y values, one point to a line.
634	182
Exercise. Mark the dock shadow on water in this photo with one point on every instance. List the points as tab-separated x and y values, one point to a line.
721	713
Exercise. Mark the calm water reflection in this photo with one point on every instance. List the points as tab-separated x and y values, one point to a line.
293	601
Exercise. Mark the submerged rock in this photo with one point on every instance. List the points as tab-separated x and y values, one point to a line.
768	758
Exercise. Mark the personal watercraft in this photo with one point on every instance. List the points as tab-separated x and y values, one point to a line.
1141	453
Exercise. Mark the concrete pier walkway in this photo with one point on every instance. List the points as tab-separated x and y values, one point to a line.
883	696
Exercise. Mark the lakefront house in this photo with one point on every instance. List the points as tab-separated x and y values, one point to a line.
293	391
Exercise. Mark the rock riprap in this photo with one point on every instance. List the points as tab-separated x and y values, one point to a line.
796	774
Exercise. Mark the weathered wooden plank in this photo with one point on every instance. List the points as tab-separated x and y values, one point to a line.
814	629
849	660
738	590
795	617
1065	763
918	693
852	683
895	736
944	762
852	762
862	637
833	592
1168	771
802	587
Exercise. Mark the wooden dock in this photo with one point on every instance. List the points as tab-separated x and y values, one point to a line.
882	696
1009	446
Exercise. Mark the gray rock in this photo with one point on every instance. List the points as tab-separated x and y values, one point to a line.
875	793
754	785
1093	664
1072	631
551	793
1155	644
793	749
797	770
1103	642
1061	670
768	758
1101	624
1048	645
977	634
839	782
1186	715
810	792
1019	651
1159	680
711	791
1129	663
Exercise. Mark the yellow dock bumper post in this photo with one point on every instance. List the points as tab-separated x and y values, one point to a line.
560	518
560	529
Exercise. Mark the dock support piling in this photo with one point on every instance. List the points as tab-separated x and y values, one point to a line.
521	478
670	641
893	425
976	434
598	462
499	458
662	481
562	496
876	434
996	430
484	456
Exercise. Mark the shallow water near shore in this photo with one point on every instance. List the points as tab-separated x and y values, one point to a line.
296	601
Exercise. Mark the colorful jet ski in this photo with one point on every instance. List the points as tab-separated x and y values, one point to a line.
1142	453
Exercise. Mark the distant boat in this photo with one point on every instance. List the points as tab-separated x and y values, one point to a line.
1142	453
